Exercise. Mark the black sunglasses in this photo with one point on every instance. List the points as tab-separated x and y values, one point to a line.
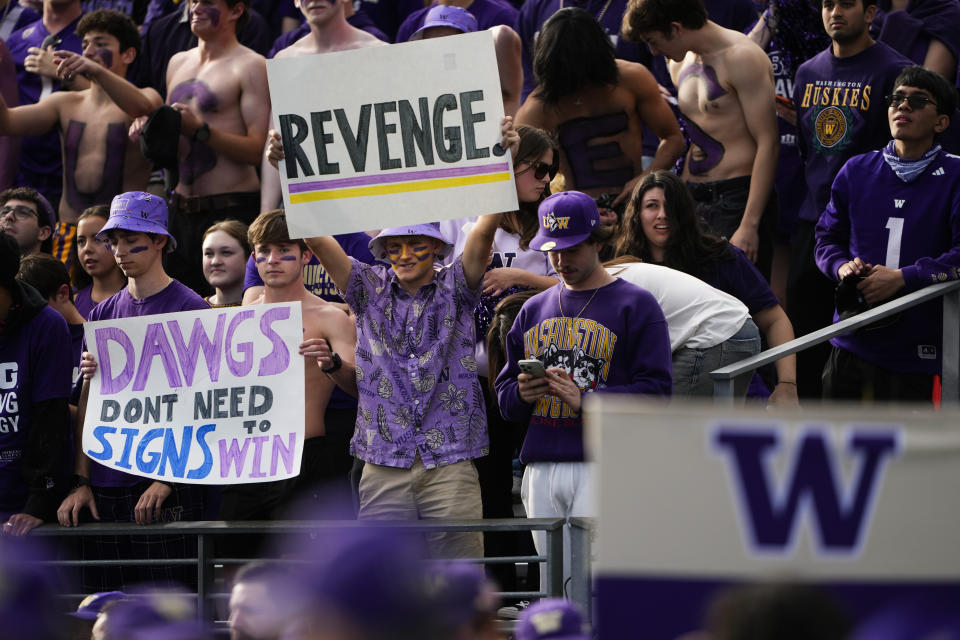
541	169
915	102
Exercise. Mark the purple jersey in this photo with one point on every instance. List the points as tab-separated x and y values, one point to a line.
35	366
489	13
841	113
40	157
416	373
915	227
175	297
618	344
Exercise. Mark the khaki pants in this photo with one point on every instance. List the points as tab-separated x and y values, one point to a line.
451	491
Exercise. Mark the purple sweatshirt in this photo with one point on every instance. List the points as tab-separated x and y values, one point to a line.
841	112
913	226
618	344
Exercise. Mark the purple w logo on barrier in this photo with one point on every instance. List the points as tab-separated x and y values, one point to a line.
814	480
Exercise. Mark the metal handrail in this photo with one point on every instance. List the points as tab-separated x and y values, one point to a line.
950	357
206	530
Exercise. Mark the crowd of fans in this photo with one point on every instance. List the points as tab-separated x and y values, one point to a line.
695	179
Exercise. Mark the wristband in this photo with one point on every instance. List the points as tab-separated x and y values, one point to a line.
79	481
337	363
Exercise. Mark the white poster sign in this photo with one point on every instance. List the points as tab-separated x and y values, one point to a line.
204	397
388	136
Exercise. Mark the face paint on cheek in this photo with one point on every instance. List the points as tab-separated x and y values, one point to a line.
261	260
139	249
422	252
106	55
212	13
289	258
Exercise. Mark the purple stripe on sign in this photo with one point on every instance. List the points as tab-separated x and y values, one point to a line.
406	176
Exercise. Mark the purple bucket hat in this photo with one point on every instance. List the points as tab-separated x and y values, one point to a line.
447	16
378	247
139	211
551	619
91	606
566	219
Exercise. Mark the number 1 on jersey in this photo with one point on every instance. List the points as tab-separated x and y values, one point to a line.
895	225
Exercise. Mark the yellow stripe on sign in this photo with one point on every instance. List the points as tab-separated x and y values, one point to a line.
400	187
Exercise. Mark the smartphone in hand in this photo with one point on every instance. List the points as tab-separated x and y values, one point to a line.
533	367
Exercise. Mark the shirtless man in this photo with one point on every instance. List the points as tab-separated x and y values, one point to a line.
597	105
99	160
220	89
726	94
326	456
329	32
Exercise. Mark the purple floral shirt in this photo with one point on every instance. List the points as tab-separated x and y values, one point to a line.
416	372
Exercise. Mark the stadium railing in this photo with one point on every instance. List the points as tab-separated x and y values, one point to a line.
206	558
950	355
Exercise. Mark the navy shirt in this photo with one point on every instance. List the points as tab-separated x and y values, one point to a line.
388	15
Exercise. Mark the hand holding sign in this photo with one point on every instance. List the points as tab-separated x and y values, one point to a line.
189	397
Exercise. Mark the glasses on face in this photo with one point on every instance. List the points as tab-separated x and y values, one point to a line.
915	102
20	212
541	169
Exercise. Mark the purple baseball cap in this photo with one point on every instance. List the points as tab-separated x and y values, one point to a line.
553	619
566	219
139	211
91	606
460	591
447	16
378	247
48	211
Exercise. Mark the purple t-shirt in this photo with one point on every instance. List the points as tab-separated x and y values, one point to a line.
35	365
175	297
40	157
912	226
619	343
841	113
416	373
83	301
489	13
